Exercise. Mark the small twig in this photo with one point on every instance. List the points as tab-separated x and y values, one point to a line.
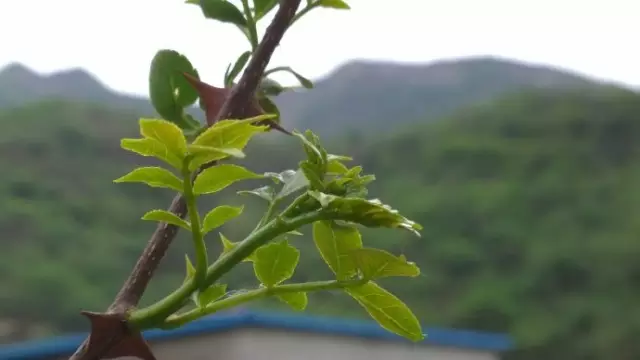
236	106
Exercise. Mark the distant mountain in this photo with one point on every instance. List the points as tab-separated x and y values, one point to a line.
20	85
377	96
361	95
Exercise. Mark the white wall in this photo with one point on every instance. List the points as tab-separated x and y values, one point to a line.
271	344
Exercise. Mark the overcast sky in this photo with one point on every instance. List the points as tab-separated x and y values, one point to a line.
116	39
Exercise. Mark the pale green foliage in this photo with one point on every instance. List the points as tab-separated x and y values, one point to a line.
330	196
321	191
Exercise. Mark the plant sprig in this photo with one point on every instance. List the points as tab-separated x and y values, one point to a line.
323	192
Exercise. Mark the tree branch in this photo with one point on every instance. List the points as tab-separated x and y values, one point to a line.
236	106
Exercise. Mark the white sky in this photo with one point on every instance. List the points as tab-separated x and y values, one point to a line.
116	39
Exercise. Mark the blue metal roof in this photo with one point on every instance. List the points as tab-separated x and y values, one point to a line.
66	345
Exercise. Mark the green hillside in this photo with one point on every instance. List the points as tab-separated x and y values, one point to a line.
530	211
528	203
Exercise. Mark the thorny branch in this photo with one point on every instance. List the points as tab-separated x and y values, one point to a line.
235	106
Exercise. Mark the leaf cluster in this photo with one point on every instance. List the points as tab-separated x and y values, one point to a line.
323	191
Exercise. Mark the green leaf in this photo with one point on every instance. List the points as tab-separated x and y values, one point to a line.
226	76
153	176
335	244
297	182
223	11
219	177
313	152
265	192
218	216
191	270
377	263
389	311
210	294
370	213
237	67
333	4
313	176
275	262
297	301
167	217
281	177
205	154
262	7
271	87
270	108
315	167
167	133
228	245
153	148
232	133
331	157
301	79
335	165
306	83
169	90
217	153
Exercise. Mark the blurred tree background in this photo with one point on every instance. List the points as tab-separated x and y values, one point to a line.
525	180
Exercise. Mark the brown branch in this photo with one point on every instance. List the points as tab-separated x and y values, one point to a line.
235	106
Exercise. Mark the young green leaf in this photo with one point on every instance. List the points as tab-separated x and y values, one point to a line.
315	167
275	262
153	176
334	4
191	270
313	175
281	177
152	147
223	11
271	87
389	311
218	177
232	133
166	133
301	79
335	165
228	245
335	244
237	67
315	154
306	83
205	154
297	301
370	213
331	157
270	108
167	217
295	183
169	91
209	295
218	216
265	192
377	263
262	7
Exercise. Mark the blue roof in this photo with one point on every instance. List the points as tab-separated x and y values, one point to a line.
66	345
